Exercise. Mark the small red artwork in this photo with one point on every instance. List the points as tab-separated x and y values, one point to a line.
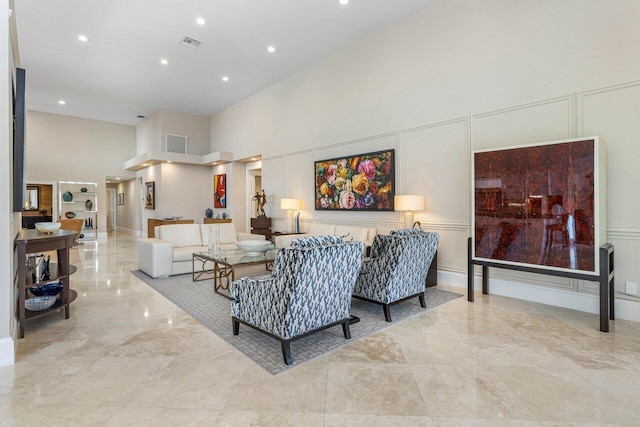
220	191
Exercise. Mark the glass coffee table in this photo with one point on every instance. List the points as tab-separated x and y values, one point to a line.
225	264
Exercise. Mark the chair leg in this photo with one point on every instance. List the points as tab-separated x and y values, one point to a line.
346	330
286	352
423	303
236	326
387	312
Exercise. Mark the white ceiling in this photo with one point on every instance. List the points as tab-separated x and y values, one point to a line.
117	74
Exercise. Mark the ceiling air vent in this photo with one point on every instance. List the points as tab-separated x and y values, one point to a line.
176	144
188	41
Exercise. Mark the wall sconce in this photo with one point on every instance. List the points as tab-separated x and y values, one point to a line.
409	204
289	205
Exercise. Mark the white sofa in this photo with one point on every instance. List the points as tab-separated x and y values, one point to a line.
361	234
171	251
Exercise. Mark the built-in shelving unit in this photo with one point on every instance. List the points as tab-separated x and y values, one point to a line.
80	200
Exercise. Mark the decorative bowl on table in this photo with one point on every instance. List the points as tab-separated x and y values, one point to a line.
254	247
47	227
40	303
49	289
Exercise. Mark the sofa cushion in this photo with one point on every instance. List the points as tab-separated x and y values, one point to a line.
180	234
185	253
321	229
227	232
352	233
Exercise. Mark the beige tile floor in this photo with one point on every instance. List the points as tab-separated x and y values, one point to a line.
127	356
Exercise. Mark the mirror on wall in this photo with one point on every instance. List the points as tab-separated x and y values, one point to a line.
31	198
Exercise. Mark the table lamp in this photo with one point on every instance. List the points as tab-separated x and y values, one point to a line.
289	205
409	204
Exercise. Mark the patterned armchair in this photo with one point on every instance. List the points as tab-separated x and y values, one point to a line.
397	268
308	290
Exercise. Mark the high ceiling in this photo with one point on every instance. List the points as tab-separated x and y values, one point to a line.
117	75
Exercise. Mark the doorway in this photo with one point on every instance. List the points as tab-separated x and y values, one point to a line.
111	209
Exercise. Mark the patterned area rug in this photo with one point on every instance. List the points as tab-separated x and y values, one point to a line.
214	311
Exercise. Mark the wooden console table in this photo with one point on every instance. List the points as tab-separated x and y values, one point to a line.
153	223
33	241
261	225
215	220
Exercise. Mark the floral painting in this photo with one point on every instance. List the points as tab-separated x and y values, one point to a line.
358	183
220	191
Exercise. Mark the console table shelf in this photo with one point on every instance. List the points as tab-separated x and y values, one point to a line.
33	241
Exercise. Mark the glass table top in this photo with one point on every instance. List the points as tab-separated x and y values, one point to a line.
237	256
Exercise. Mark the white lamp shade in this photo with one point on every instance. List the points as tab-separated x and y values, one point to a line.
409	203
290	204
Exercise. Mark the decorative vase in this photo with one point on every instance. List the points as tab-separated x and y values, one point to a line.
67	196
208	213
214	238
88	204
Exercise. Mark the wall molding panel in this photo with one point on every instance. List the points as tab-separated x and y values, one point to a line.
435	159
531	123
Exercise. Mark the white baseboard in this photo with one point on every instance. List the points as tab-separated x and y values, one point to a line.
624	309
135	233
7	351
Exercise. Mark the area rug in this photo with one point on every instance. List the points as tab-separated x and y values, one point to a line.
213	311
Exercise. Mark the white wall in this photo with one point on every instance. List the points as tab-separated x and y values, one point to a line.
181	190
63	148
127	217
456	76
8	220
150	133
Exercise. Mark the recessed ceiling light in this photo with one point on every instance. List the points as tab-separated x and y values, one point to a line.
343	2
164	61
83	38
169	161
271	49
61	102
200	21
225	78
145	164
118	179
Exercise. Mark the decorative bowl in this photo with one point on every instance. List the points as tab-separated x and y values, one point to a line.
39	303
254	247
70	215
49	289
48	227
83	190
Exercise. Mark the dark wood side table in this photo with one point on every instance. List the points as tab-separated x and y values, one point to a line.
33	241
261	225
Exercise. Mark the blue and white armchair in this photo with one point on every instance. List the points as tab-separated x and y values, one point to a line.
397	269
308	290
